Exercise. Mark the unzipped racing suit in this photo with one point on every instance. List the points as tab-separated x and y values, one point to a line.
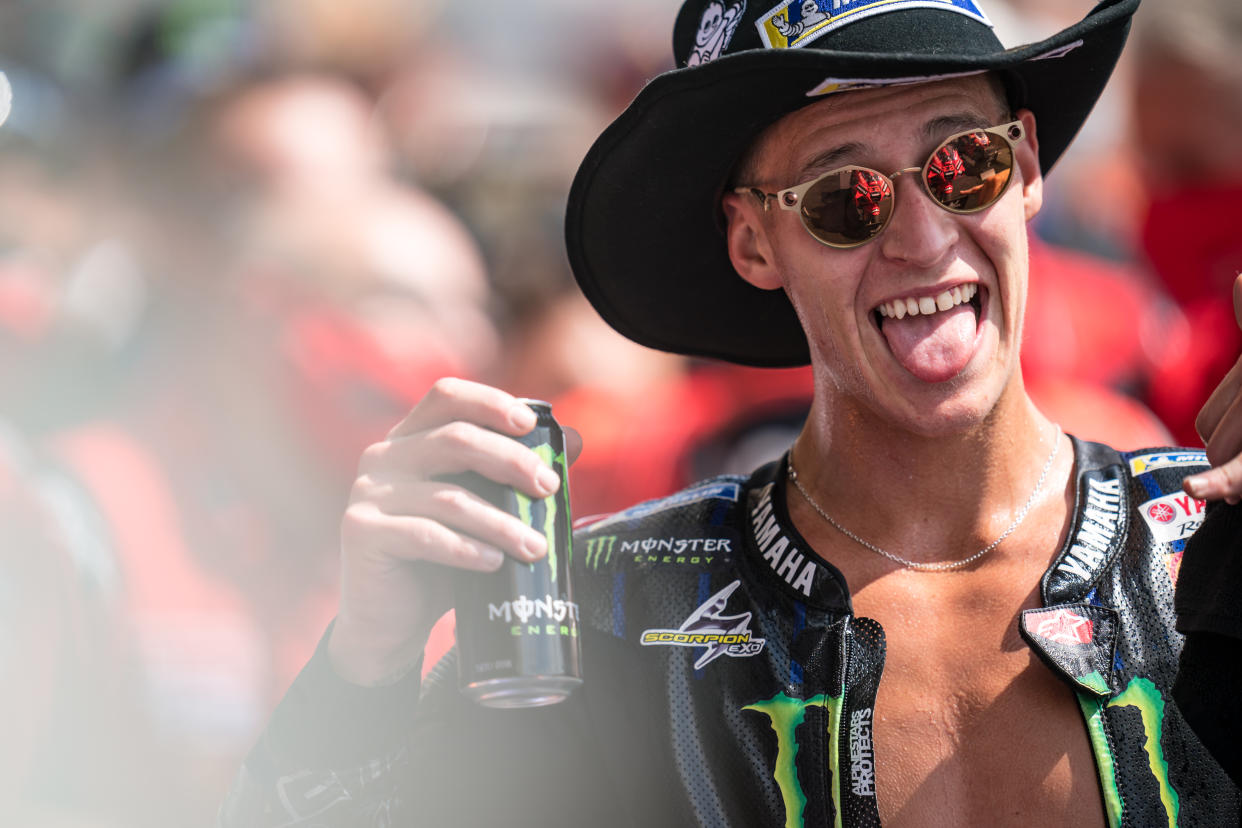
728	683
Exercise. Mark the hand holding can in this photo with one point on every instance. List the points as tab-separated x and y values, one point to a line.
518	629
408	528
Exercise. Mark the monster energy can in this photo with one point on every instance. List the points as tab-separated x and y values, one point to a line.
517	628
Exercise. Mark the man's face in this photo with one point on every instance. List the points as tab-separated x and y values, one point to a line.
933	373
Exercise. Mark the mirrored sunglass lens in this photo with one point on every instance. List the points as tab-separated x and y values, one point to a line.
970	172
848	207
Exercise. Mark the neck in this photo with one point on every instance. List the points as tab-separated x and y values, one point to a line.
917	494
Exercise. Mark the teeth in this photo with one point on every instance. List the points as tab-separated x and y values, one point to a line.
901	308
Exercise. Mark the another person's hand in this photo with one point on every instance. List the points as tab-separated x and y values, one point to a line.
404	527
1220	426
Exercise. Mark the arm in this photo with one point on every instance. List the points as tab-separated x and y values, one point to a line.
1220	426
338	747
1210	582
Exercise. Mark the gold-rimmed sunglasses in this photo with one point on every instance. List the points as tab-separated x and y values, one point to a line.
851	205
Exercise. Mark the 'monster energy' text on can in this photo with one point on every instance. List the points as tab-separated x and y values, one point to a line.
517	628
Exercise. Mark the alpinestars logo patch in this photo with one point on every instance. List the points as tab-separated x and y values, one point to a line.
710	628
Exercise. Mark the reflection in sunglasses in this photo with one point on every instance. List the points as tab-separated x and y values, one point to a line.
850	206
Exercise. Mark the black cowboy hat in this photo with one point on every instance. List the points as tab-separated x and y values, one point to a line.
643	227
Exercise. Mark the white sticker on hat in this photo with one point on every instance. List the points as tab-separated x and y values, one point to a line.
716	27
795	23
833	85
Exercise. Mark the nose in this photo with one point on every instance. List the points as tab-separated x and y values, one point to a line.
919	232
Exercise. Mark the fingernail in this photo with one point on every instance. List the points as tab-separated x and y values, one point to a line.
548	480
490	558
1196	485
534	545
521	417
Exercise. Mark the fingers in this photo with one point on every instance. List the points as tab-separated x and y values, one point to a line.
1224	482
1213	411
406	509
468	531
457	399
412	538
422	494
1220	426
1224	451
462	447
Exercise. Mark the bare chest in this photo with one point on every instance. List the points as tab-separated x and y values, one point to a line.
970	728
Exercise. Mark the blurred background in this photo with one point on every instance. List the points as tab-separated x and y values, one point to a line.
239	238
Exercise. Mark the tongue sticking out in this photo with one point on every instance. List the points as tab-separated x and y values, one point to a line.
935	347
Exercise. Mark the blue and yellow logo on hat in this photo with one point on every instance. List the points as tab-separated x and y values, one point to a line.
795	23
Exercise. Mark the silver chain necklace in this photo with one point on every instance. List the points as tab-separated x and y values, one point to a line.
946	565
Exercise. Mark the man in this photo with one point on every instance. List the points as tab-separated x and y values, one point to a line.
952	613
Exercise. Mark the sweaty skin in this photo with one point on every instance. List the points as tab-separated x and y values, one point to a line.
925	419
965	738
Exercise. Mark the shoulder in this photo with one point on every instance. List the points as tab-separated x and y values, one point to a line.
692	527
1129	509
1154	471
648	566
1152	482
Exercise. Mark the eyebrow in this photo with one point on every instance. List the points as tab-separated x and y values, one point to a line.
935	129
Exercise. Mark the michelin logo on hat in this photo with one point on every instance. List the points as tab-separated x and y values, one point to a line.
795	23
716	27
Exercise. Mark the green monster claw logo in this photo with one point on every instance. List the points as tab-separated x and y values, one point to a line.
560	498
1145	697
786	715
598	548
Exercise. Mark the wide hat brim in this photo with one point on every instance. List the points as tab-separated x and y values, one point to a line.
643	229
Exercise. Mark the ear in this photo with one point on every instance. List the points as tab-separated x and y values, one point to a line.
750	248
1027	156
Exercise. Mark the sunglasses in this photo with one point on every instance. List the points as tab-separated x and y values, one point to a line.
849	206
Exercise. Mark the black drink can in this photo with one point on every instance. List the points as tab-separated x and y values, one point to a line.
517	628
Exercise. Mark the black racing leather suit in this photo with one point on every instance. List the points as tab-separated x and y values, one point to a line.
765	718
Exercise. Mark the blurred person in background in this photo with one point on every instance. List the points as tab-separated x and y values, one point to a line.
1188	129
307	296
77	749
206	312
